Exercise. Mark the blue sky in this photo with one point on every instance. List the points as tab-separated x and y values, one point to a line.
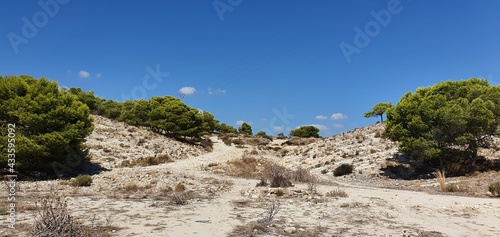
274	64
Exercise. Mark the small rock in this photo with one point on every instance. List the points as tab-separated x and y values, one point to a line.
290	230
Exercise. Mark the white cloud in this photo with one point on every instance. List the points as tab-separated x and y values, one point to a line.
337	125
239	122
84	74
216	91
318	126
98	75
321	117
187	90
278	128
338	116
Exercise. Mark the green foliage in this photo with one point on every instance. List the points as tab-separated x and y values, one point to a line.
49	122
110	109
281	136
245	129
167	115
305	131
449	117
224	128
82	180
343	169
88	98
264	135
494	188
172	117
209	122
379	110
261	134
135	112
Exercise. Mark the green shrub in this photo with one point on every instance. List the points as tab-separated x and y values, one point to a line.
281	136
51	124
494	188
227	140
305	131
262	183
343	169
82	180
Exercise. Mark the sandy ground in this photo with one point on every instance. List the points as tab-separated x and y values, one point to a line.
365	212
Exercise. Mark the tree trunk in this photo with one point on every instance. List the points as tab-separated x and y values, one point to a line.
441	164
472	165
381	118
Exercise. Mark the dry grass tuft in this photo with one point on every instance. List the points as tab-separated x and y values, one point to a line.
245	167
252	229
179	188
52	218
337	193
271	212
131	187
82	180
494	188
441	179
148	161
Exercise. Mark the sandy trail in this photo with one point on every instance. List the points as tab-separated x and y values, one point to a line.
216	217
366	212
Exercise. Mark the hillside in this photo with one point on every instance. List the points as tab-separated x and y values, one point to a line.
112	143
199	193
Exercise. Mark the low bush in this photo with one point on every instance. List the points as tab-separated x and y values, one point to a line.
207	144
262	183
82	180
343	169
279	176
494	188
52	218
302	175
246	167
337	193
148	161
131	187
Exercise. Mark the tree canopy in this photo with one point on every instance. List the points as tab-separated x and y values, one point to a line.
49	122
449	116
379	110
224	128
245	129
305	131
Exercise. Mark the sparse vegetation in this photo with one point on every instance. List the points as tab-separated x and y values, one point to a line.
131	187
148	161
180	198
343	169
245	167
262	183
280	176
82	180
337	193
271	212
305	132
52	218
441	179
494	188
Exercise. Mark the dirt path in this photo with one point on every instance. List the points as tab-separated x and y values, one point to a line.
216	217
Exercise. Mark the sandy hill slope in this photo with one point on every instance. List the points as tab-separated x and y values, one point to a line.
365	147
112	143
